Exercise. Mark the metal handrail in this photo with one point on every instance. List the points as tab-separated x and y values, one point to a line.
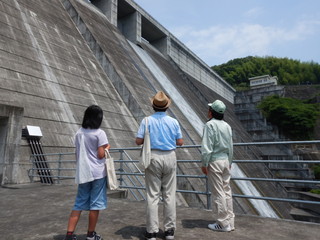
135	175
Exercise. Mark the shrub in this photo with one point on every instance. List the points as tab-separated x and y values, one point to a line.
294	118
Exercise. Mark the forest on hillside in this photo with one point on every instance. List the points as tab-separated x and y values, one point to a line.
289	72
296	118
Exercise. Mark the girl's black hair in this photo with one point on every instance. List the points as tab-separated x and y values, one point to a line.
215	114
92	118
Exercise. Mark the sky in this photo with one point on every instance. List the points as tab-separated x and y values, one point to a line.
221	30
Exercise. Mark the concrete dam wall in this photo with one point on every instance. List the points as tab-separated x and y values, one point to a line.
57	57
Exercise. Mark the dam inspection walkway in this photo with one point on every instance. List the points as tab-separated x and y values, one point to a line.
40	212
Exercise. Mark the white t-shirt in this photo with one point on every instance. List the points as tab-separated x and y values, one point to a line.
93	138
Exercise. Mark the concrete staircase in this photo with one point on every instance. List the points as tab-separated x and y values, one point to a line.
246	103
300	211
304	211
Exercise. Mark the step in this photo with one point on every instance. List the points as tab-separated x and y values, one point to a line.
303	215
292	173
119	193
308	197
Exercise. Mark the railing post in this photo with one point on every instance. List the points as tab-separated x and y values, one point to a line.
59	167
33	167
208	193
121	167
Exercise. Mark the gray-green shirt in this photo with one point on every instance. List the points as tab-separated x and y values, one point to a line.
217	142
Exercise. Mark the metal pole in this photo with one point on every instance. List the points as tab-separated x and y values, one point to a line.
33	167
59	167
121	166
209	197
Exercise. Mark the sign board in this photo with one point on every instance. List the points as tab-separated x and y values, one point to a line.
34	131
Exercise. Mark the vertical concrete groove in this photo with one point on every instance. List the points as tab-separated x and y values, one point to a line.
104	62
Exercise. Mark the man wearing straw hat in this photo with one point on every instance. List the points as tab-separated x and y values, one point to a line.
216	156
160	175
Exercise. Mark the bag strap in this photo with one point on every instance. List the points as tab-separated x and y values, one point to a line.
108	153
145	130
146	123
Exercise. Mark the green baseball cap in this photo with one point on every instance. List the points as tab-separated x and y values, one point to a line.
218	106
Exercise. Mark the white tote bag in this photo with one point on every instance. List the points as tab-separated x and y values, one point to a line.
111	173
146	148
83	171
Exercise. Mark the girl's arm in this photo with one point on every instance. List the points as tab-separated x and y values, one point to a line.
101	150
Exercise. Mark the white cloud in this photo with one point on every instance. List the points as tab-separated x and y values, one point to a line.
226	43
304	29
253	12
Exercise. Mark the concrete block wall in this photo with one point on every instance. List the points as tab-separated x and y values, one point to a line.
196	68
109	8
10	120
246	103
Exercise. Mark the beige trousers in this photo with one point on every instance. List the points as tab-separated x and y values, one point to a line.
161	181
219	176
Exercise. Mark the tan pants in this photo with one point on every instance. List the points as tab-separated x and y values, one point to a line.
161	181
219	176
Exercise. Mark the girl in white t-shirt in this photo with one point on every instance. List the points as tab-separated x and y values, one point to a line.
90	142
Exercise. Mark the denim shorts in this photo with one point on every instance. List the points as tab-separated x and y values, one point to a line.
92	195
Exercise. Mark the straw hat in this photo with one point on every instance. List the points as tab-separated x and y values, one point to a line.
160	100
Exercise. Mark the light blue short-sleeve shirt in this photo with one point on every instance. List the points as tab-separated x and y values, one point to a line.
164	131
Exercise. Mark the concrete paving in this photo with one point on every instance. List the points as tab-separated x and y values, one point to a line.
39	212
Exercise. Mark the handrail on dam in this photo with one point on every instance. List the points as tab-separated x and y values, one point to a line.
62	167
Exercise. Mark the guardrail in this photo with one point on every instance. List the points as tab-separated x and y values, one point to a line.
62	166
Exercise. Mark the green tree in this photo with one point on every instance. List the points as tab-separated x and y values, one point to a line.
289	72
294	118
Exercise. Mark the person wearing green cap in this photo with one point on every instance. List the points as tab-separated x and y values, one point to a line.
216	157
